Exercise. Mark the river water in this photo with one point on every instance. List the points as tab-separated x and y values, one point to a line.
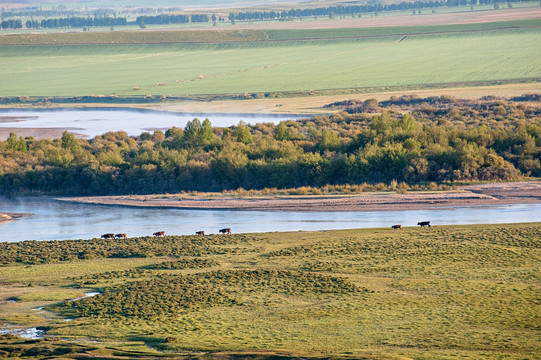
56	220
92	122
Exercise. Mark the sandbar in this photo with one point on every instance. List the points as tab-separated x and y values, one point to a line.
470	195
7	217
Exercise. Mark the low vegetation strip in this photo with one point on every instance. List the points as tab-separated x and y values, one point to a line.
248	36
167	295
36	252
134	37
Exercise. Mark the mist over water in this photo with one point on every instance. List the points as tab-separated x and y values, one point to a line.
57	220
94	122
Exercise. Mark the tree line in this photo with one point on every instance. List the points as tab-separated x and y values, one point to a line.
75	22
11	24
445	140
171	19
353	9
79	22
107	17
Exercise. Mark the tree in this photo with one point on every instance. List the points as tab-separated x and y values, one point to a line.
242	134
207	133
329	141
281	132
192	133
16	144
69	141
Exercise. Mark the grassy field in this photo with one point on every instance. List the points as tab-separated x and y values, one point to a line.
450	292
353	59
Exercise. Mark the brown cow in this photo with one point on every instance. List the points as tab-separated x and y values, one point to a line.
108	236
397	227
225	231
159	233
121	236
200	232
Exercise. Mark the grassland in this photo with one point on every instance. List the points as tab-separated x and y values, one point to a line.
449	292
276	63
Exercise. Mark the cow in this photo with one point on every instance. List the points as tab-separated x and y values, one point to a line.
397	227
108	236
200	232
225	231
121	236
424	223
159	233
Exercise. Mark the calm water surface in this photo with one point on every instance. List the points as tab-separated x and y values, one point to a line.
94	122
59	220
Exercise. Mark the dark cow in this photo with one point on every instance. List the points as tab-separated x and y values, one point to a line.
108	236
159	233
397	227
200	232
424	223
121	236
225	231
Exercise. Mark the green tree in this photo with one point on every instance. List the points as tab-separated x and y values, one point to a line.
17	144
329	141
207	133
242	134
69	141
281	132
192	133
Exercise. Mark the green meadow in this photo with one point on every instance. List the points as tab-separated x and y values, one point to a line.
446	292
270	63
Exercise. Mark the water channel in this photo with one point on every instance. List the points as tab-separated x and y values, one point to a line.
56	220
92	122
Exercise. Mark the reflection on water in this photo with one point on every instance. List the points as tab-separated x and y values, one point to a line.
96	122
29	333
61	220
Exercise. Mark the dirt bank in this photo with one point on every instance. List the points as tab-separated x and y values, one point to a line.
471	195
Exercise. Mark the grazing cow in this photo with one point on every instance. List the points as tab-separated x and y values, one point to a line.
159	233
225	231
108	236
121	236
200	232
424	223
397	227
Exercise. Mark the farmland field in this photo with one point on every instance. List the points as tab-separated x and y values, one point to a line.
448	292
368	60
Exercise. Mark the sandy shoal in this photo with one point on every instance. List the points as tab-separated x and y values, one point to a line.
472	195
7	217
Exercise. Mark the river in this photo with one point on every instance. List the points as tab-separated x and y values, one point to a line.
56	220
92	122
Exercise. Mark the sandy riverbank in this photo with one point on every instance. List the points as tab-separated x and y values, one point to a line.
471	195
7	217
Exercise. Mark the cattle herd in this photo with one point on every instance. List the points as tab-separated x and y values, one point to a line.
228	231
112	236
159	234
421	224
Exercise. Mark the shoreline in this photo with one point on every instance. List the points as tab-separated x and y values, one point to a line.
470	195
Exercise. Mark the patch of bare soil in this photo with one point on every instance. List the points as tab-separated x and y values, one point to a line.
38	133
489	194
7	217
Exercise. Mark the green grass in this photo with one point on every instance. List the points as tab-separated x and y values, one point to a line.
449	292
272	67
